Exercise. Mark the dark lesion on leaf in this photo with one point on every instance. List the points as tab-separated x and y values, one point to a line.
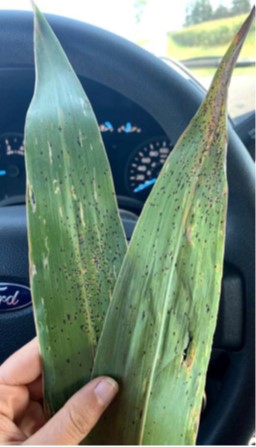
31	198
186	354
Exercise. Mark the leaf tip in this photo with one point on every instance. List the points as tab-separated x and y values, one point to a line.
38	16
246	26
34	6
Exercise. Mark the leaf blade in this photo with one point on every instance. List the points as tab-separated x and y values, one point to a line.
162	330
76	239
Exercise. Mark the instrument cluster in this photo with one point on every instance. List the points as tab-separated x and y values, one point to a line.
136	146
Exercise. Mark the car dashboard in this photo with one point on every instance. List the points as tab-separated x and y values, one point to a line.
136	145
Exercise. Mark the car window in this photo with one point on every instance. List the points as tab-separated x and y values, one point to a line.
194	32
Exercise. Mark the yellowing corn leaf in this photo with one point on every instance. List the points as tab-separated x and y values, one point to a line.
158	332
76	240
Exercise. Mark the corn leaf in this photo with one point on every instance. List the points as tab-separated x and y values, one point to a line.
76	239
157	337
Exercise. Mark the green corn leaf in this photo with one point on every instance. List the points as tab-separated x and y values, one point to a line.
76	239
157	337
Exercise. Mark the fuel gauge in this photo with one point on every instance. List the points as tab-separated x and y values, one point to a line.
12	169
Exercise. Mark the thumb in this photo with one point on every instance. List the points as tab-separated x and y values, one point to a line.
75	420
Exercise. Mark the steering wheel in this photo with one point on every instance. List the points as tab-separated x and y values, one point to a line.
170	98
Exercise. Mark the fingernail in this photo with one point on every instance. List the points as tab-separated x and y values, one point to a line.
106	390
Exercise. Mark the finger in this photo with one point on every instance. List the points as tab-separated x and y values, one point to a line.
32	420
76	419
10	434
23	367
13	401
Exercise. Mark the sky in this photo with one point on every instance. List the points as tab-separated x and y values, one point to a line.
117	15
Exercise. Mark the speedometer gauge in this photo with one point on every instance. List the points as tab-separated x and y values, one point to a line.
145	165
12	169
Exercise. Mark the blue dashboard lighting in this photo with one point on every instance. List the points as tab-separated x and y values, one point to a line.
2	172
109	125
128	127
145	185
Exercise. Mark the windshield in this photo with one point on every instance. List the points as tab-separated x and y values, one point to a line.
194	32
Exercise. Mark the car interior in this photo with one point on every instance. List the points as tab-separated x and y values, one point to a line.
142	105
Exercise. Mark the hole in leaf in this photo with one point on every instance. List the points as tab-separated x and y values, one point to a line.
186	349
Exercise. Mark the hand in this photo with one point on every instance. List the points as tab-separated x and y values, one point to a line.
21	413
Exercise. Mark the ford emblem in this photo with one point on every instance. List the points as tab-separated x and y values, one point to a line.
14	297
